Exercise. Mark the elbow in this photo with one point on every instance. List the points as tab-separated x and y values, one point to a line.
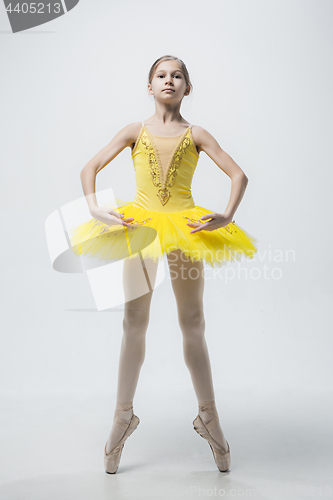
244	178
82	174
83	171
241	177
87	169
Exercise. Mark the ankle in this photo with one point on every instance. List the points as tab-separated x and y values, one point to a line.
207	410
124	415
124	411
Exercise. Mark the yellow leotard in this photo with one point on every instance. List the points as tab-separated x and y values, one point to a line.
162	207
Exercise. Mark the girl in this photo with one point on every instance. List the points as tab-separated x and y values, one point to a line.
165	151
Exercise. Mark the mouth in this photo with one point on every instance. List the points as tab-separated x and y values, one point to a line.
165	90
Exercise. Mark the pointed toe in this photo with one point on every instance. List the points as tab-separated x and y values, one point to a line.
112	459
222	458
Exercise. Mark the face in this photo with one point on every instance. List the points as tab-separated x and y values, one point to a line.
168	75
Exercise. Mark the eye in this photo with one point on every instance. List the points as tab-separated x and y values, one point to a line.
162	76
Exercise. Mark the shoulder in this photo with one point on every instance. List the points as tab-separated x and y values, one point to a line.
132	129
130	133
202	138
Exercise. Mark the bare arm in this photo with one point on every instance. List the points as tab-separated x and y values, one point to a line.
124	138
207	143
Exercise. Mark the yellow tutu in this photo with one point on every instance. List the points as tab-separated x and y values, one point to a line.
161	210
165	232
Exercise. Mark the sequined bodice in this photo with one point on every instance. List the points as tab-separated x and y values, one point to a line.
164	168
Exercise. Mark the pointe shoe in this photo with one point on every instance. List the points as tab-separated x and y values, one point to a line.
112	459
221	457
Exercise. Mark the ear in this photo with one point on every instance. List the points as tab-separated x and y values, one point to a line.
187	91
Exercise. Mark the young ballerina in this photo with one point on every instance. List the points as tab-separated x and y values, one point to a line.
165	152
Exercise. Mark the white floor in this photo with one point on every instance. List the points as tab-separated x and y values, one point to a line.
281	447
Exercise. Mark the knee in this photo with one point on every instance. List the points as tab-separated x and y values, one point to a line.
135	322
192	323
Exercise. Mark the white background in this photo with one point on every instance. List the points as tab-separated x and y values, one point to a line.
262	77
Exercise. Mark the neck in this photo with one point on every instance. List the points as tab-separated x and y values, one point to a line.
167	114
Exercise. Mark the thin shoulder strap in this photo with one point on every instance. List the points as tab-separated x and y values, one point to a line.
190	125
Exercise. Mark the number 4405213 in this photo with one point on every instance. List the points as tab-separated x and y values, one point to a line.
33	7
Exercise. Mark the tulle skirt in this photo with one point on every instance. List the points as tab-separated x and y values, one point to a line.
158	233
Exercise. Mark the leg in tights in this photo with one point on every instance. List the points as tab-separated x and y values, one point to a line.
188	285
133	345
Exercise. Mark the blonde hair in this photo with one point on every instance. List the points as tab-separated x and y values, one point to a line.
170	58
